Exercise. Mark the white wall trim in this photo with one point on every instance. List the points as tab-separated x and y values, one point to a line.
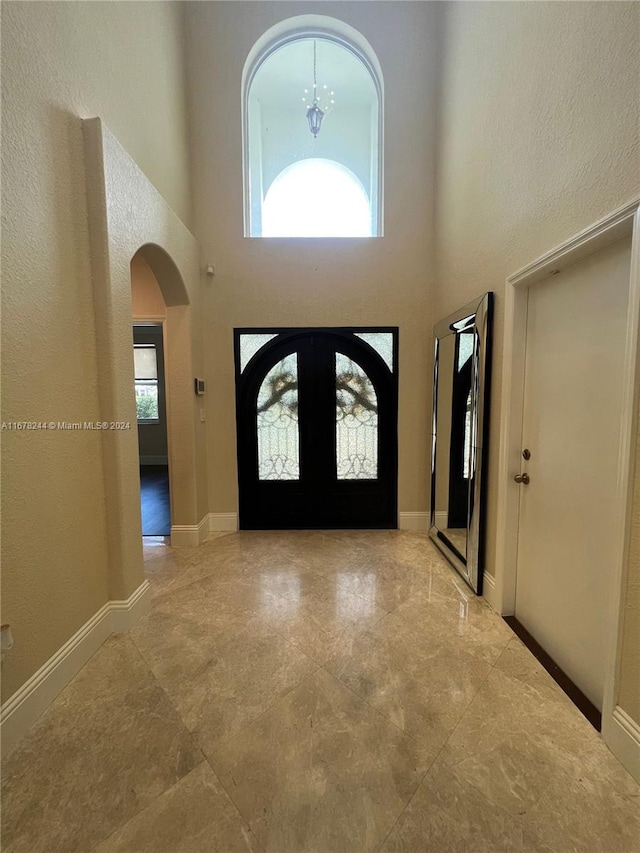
125	614
21	710
190	534
414	521
154	460
489	590
441	518
622	735
195	534
222	521
602	233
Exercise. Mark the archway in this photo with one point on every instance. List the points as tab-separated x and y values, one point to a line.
280	85
128	216
316	198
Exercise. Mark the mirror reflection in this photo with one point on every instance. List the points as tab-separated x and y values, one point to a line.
453	428
461	354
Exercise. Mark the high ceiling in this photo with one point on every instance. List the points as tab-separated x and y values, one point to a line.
283	76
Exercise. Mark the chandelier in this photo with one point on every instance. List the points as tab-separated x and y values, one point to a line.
315	113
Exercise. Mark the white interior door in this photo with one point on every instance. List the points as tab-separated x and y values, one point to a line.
576	325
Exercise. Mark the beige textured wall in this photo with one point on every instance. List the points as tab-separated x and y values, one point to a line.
62	62
146	297
320	283
538	138
629	697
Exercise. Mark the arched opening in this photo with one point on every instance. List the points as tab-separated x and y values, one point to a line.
160	327
313	94
149	313
316	198
167	275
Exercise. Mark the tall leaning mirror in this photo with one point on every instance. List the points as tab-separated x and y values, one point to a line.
459	436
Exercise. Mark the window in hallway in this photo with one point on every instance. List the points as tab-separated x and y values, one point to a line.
145	362
316	198
312	131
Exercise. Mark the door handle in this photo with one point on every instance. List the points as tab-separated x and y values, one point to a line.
522	478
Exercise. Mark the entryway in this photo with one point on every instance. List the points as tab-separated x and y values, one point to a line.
148	352
317	427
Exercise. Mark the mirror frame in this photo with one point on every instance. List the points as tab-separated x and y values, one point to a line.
481	310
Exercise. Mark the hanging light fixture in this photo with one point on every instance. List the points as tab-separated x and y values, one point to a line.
314	113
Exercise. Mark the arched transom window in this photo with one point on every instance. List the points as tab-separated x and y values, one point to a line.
312	136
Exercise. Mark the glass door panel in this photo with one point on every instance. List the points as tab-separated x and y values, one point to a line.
277	422
356	422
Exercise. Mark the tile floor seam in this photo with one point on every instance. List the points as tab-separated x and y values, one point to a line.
437	755
466	710
406	805
248	612
245	819
193	731
171	703
280	696
452	767
513	817
412	737
148	806
289	642
372	707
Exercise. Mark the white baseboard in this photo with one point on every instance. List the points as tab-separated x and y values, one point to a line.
222	521
154	460
621	733
21	710
441	518
126	614
489	591
413	521
190	534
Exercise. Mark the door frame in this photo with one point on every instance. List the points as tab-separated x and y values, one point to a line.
293	333
623	222
161	323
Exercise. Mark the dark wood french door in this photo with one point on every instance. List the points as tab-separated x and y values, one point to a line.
317	428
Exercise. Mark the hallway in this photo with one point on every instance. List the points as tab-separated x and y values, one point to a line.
154	500
314	691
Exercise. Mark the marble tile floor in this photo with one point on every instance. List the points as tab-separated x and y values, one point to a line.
330	692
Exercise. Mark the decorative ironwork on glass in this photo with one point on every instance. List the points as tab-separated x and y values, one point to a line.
277	414
382	342
356	422
249	346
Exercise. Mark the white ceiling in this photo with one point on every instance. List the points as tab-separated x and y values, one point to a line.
283	76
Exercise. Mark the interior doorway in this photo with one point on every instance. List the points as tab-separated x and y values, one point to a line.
317	428
573	392
151	411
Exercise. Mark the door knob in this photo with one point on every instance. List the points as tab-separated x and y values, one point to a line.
522	478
